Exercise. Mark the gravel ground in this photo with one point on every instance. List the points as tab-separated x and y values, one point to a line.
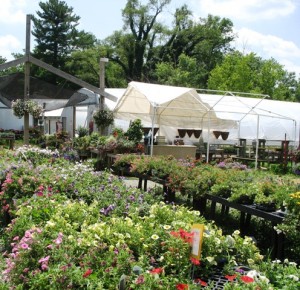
131	181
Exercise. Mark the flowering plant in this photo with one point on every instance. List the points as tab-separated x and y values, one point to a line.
21	106
103	118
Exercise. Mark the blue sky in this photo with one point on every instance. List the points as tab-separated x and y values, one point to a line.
270	28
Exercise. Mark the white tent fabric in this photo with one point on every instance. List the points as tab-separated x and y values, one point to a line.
258	117
162	105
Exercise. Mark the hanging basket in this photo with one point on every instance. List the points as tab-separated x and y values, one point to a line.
190	132
217	134
197	133
224	135
21	106
181	132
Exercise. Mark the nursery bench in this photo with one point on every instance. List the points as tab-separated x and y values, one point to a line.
246	212
10	138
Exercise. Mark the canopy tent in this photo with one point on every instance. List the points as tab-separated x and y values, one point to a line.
258	118
169	106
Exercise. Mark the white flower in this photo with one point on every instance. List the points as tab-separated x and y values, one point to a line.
167	227
250	261
155	237
294	277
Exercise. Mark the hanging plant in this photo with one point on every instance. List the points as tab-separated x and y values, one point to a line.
21	106
103	118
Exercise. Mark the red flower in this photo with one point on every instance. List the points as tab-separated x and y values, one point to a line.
182	286
230	277
87	273
247	279
156	271
195	261
186	236
200	282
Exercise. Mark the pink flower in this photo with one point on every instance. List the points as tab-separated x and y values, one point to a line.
44	260
24	246
140	279
44	267
58	240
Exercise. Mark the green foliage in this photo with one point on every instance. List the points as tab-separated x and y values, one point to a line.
82	131
56	34
135	131
250	73
103	118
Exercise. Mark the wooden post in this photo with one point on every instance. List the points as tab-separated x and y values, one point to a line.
102	87
102	81
27	79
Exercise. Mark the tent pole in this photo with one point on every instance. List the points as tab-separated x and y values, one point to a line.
152	129
256	149
208	141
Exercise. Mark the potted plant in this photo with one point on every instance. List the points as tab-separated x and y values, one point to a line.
20	106
103	118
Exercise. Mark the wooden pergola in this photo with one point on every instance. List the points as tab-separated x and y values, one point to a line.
28	60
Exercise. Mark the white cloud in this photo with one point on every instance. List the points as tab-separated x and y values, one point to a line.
285	52
11	11
247	10
9	44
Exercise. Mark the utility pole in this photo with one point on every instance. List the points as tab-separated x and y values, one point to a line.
27	79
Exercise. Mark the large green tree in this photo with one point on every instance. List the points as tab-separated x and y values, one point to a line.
57	36
252	74
145	45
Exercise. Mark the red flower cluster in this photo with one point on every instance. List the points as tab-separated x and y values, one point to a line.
230	277
182	286
200	282
87	273
247	279
156	271
195	261
186	236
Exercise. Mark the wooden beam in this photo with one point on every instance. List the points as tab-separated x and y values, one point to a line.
13	63
71	78
27	78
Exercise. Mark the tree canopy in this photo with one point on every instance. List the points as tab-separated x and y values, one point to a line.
57	36
250	73
188	52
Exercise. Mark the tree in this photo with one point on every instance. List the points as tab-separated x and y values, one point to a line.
146	43
131	49
251	74
57	36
